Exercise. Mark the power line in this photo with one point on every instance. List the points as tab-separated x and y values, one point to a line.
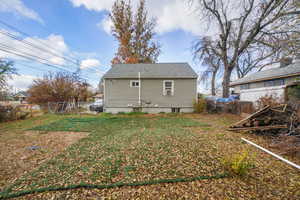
35	58
29	66
39	41
28	54
14	50
33	45
32	59
42	49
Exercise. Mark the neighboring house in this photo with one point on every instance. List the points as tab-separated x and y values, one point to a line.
267	82
98	97
152	88
21	97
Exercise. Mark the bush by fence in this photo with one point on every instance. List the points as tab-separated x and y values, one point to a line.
9	113
200	105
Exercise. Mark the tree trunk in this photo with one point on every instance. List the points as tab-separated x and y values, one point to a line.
226	82
213	84
239	75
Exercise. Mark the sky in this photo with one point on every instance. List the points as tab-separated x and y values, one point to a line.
76	34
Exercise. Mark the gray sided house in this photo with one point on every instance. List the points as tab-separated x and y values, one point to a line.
267	82
152	88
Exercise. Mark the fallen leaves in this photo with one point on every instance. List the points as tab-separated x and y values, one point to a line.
131	149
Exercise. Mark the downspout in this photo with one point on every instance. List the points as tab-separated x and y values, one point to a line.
140	84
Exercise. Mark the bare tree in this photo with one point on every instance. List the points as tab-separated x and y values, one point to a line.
204	51
6	71
244	24
59	87
256	58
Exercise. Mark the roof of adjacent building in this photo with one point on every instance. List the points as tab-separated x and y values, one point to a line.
157	70
282	72
21	94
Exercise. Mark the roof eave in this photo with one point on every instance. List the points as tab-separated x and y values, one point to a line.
264	79
186	77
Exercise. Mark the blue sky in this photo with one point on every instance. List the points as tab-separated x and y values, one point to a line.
79	29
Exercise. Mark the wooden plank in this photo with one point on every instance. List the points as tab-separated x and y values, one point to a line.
258	128
284	106
251	116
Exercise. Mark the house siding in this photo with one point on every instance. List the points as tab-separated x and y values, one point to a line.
257	90
120	97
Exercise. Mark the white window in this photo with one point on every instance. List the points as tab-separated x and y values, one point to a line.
134	83
168	88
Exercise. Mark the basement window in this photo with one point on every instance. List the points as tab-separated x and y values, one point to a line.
168	88
134	83
137	109
175	110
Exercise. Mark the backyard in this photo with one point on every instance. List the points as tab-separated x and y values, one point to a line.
136	156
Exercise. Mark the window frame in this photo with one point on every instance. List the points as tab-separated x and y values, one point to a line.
164	88
274	83
134	81
175	110
245	86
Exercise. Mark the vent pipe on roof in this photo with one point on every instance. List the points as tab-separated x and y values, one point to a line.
285	61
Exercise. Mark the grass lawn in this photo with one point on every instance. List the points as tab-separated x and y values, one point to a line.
146	149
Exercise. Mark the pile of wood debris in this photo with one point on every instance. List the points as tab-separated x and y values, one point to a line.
277	120
281	122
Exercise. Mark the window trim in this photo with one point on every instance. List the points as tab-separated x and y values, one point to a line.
164	88
134	81
273	83
175	110
245	86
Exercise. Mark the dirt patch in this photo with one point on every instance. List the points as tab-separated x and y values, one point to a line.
21	155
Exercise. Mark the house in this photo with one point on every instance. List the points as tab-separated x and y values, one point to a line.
267	82
21	97
98	97
152	88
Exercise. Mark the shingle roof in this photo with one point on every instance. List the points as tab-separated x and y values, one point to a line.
157	70
290	70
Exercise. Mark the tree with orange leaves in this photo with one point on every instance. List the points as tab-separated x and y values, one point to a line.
134	33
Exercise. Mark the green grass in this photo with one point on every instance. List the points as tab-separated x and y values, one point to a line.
124	149
139	150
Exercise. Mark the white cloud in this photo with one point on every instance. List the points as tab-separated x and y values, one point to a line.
106	24
96	5
175	15
18	8
21	82
89	63
51	48
170	14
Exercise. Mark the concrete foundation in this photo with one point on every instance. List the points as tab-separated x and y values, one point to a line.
147	110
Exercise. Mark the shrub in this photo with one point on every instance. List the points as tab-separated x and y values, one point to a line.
268	100
294	93
9	113
239	164
200	106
